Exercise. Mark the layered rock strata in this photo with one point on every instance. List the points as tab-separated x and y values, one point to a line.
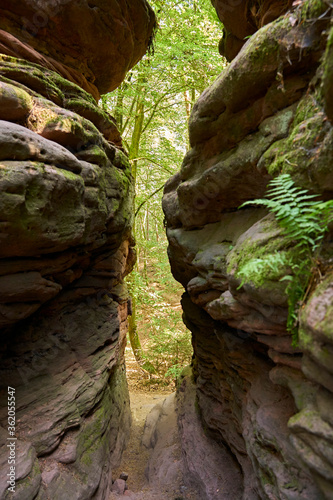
66	245
268	403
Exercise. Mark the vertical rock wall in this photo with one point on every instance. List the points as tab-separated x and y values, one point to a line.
267	403
66	245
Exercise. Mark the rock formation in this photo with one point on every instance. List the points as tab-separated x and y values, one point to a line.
66	244
242	19
92	43
268	404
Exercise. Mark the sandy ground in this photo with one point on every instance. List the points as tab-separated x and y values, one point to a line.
135	457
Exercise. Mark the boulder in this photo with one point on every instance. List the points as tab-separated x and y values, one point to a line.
112	37
241	19
119	486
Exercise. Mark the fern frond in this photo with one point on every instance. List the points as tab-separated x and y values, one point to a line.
255	202
304	221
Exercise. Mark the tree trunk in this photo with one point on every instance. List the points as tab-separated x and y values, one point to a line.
119	108
133	155
135	341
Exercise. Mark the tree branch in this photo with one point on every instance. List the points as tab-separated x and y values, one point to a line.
148	198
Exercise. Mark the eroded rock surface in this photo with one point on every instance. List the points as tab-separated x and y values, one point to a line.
66	213
241	19
92	43
265	401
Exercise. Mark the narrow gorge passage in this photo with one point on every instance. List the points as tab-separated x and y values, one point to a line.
152	474
135	460
135	457
252	414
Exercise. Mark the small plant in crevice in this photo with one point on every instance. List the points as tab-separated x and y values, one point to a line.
304	221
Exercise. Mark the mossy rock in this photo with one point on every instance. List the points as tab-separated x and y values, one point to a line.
317	317
43	81
15	103
306	154
327	77
28	487
262	239
33	76
103	121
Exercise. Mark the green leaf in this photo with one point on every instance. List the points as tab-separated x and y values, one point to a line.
288	277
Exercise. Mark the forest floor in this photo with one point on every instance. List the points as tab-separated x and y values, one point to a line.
135	458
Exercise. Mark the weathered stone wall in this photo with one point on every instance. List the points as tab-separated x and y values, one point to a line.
66	245
267	403
91	42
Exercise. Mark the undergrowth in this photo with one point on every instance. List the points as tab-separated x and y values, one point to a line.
304	222
165	340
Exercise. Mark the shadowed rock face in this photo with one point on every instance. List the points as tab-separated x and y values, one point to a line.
243	18
66	204
93	43
265	401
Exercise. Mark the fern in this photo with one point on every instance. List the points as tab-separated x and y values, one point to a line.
304	221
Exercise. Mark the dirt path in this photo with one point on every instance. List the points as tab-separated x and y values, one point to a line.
135	457
134	461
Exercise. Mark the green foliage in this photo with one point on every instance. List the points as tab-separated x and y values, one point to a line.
152	109
168	350
162	88
304	221
165	340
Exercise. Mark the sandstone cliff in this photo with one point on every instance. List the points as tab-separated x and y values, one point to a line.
268	404
66	244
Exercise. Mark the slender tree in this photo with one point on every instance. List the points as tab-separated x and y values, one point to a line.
152	108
